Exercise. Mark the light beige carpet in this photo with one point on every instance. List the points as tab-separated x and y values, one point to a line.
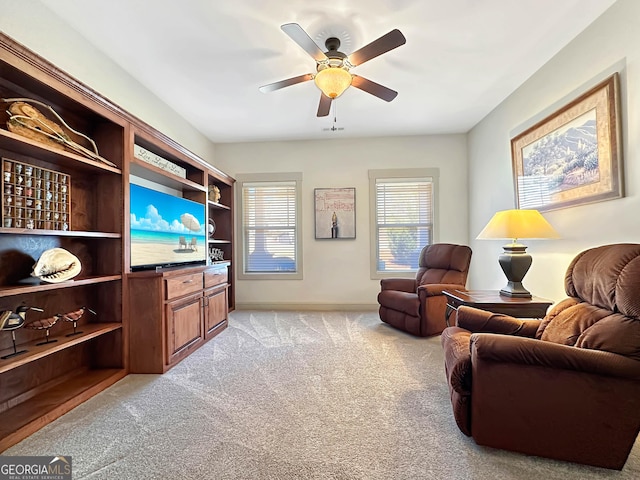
290	395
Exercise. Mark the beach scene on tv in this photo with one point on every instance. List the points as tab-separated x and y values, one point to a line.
165	229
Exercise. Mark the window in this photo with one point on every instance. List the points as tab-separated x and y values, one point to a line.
403	212
269	222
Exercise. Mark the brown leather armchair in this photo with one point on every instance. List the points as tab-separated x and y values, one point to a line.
564	387
418	306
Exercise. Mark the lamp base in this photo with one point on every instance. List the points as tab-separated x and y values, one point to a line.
515	289
515	263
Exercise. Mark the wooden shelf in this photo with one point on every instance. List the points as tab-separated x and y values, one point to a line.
222	214
35	352
216	240
218	205
13	142
22	420
60	233
48	380
157	175
41	287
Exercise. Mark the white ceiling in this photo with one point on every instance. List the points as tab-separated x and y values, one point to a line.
207	58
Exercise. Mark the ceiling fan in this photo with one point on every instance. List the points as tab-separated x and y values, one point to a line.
333	67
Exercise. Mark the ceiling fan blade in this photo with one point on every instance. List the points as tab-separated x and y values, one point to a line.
387	42
301	37
373	88
286	83
325	105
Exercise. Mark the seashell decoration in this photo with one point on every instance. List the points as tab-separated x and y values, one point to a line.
56	265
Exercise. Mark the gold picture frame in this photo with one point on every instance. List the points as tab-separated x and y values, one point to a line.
573	156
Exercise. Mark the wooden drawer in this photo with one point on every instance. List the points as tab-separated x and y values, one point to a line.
183	285
215	276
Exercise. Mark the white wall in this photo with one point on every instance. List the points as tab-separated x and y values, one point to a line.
37	28
339	273
336	274
612	42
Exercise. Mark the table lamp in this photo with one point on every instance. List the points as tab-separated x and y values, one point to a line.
515	261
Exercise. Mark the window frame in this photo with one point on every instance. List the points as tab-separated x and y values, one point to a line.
409	174
254	178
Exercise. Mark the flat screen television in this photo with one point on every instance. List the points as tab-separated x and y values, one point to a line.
165	230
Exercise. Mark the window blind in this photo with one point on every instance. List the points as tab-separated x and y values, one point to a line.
404	221
269	227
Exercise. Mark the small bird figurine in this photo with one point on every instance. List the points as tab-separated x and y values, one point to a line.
74	317
11	321
44	324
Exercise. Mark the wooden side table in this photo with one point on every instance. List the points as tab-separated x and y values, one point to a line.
492	301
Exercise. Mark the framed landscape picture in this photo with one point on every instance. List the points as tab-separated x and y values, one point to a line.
572	156
335	212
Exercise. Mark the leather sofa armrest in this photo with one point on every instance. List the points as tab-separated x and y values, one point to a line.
532	352
481	321
457	364
433	289
400	284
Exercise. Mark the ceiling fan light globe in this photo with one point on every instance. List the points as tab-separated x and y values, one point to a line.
333	81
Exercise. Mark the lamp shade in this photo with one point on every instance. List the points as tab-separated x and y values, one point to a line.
333	81
514	224
515	261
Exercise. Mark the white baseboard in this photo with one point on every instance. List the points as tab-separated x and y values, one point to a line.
322	307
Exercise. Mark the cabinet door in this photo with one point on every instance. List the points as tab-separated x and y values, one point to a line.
184	327
215	310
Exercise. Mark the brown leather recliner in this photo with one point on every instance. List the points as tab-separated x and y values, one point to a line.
565	387
418	306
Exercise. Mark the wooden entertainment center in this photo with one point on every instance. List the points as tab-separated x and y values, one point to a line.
174	312
145	321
